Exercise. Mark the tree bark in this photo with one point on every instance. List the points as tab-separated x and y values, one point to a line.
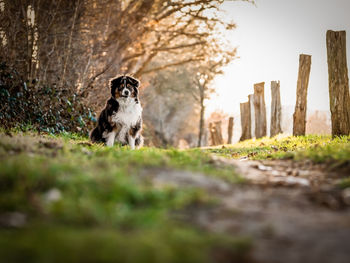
201	124
245	121
338	82
260	110
275	127
299	116
68	50
230	130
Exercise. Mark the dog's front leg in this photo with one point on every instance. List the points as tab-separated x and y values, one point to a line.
110	138
133	132
131	140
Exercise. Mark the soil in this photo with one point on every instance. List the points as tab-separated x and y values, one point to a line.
292	211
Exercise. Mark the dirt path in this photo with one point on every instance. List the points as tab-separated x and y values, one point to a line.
292	211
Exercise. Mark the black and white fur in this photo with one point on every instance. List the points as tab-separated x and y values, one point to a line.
121	119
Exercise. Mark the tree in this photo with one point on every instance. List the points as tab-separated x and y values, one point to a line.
182	32
206	73
170	111
76	46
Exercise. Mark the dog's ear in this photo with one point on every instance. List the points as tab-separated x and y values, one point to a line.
134	82
114	84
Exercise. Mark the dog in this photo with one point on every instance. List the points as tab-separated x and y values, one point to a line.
121	119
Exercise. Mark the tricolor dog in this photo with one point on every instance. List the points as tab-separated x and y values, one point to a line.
121	119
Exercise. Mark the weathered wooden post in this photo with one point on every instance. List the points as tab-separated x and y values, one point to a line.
218	133
338	82
212	133
230	130
276	109
215	133
299	116
260	110
245	121
252	115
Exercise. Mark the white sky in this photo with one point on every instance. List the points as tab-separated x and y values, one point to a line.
270	36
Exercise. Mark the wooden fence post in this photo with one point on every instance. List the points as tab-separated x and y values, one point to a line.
252	115
275	127
338	82
260	110
299	116
220	140
212	133
230	130
245	121
215	133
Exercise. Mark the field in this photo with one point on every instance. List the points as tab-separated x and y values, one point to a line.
63	199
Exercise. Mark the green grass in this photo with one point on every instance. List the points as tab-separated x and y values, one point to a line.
90	203
344	183
314	147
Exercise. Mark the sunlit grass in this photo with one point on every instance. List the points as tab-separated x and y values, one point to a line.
318	148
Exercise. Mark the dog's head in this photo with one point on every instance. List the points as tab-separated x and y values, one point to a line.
125	87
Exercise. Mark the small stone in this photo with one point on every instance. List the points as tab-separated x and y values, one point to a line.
53	195
264	168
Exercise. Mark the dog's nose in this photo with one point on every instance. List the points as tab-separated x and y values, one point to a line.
126	93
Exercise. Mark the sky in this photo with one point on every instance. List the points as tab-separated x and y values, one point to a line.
270	36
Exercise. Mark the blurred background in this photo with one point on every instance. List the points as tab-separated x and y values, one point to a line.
197	60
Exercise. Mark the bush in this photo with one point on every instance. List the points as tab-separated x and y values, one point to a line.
43	107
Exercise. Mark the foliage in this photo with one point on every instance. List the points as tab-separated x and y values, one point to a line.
41	107
344	183
89	203
318	148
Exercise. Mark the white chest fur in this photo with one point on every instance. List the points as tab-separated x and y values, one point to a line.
128	114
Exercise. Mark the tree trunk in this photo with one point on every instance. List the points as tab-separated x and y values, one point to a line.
338	82
275	109
68	50
299	116
230	130
201	124
245	121
260	110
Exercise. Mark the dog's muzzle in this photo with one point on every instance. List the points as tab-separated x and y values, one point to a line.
125	93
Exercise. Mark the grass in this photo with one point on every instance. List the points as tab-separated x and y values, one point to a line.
318	148
344	183
65	200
